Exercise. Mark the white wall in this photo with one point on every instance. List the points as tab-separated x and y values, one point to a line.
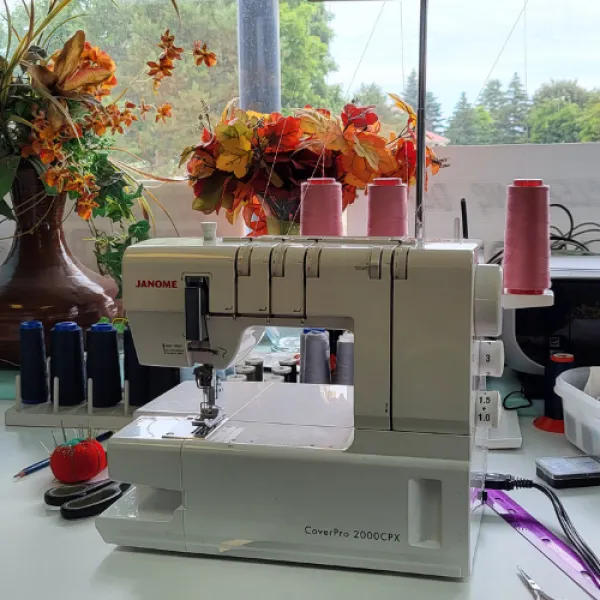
481	174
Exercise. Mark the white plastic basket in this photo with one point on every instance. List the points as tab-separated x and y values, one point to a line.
582	412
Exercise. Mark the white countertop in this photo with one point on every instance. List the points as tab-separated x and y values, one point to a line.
42	556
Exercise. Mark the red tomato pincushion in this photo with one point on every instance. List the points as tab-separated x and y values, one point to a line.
78	461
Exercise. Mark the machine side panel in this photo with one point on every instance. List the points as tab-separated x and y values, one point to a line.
433	343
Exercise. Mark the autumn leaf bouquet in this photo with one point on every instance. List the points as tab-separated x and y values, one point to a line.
254	164
59	124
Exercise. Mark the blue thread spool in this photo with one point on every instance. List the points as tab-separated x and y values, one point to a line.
67	364
34	368
136	374
103	367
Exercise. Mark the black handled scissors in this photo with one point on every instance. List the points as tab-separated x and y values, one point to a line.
86	499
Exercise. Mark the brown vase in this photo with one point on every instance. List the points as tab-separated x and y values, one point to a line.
41	279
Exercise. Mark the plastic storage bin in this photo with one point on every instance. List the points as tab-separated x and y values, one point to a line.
582	412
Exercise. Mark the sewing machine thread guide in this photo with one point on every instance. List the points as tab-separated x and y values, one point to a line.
549	544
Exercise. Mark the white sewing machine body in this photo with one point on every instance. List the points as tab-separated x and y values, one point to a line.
380	476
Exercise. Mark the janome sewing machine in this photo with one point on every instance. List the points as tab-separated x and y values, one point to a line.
379	476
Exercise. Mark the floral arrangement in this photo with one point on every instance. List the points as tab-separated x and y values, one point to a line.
253	163
56	112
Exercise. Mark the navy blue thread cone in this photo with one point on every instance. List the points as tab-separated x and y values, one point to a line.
103	366
34	368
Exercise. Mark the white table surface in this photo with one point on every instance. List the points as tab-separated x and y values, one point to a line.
42	556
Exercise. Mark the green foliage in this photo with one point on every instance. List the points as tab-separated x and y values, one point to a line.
470	125
372	94
559	112
551	122
110	249
433	109
590	123
8	170
564	91
515	113
305	58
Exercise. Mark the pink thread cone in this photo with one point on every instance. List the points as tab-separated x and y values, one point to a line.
527	238
321	207
387	212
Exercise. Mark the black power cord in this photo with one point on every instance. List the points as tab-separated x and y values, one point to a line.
496	481
528	402
569	216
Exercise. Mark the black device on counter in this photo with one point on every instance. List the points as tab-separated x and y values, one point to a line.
569	471
572	325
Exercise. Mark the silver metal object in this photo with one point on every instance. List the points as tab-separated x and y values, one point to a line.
205	380
537	592
421	125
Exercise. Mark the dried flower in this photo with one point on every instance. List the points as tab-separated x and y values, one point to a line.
203	55
163	112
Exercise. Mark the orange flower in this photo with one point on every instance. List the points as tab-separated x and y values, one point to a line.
348	195
366	159
167	43
359	116
97	120
281	134
406	158
89	181
68	132
203	55
157	82
161	69
145	108
163	112
86	204
201	165
255	218
127	116
50	152
164	66
58	178
47	134
74	184
68	75
93	56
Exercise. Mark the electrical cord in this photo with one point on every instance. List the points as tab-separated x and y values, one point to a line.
569	215
528	400
585	224
560	239
564	241
496	481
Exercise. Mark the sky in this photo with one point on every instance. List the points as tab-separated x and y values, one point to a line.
557	39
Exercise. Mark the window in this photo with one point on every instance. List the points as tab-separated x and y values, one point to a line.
498	74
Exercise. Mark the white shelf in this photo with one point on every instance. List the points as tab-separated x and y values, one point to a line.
512	301
43	415
507	435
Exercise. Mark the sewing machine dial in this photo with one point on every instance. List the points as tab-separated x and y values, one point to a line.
491	358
